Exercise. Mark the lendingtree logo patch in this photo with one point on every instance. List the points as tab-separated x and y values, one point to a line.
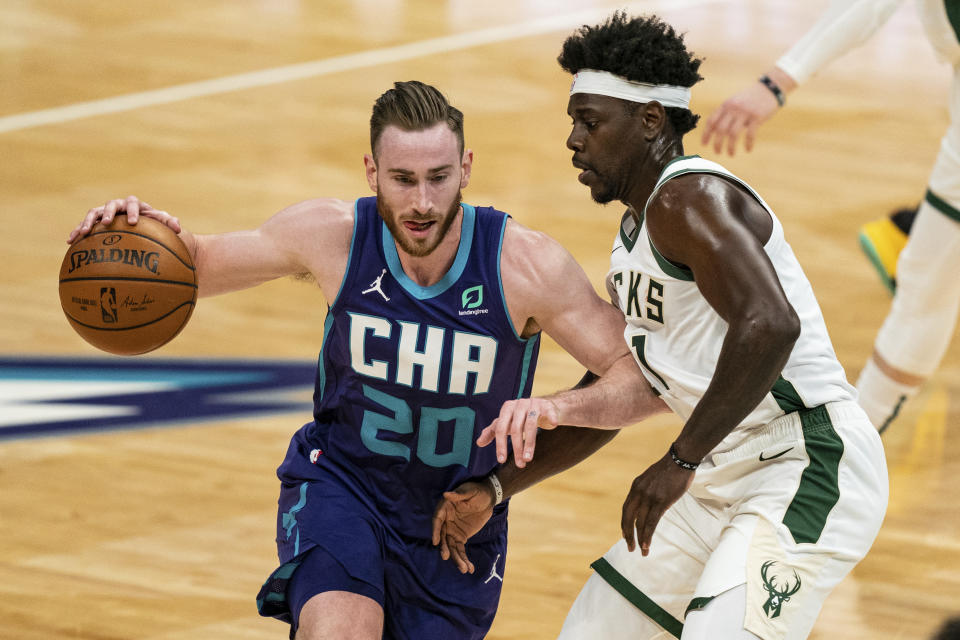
472	297
471	300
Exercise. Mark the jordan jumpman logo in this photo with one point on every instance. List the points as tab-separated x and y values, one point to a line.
493	572
375	286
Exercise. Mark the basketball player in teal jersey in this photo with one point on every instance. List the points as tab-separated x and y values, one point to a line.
776	486
435	313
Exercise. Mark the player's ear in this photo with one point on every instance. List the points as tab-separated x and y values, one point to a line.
466	165
370	166
653	118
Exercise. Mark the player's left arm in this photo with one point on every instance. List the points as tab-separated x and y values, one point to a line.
717	230
546	286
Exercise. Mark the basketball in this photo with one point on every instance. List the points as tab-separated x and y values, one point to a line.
128	289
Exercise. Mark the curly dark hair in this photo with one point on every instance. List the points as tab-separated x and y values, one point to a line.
642	49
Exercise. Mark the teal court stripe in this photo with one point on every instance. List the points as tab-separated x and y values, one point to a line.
637	598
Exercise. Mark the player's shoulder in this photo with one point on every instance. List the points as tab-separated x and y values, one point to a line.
521	242
531	258
694	196
320	211
317	217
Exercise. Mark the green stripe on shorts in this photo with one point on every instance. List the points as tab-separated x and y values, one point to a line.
942	205
819	488
637	598
953	15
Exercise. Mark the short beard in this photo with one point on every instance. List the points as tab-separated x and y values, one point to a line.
606	196
417	249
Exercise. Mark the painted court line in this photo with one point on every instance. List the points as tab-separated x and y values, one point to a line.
316	68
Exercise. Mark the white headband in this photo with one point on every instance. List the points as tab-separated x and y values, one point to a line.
606	84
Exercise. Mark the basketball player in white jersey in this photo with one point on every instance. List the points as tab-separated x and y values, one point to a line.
776	486
920	271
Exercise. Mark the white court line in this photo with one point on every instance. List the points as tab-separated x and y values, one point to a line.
373	57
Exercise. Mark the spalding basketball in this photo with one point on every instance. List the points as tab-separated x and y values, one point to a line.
128	289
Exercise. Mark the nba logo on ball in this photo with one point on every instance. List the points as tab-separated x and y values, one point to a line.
108	304
141	280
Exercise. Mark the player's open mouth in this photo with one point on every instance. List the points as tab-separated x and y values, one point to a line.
418	227
585	172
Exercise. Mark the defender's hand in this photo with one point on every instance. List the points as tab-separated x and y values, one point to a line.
519	420
133	207
652	493
742	112
461	514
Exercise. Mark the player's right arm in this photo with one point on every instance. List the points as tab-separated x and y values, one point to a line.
845	24
311	237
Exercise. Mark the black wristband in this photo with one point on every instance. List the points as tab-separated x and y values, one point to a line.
774	89
680	462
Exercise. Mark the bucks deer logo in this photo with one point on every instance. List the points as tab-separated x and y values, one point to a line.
777	595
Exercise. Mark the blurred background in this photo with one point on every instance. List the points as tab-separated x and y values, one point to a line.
122	520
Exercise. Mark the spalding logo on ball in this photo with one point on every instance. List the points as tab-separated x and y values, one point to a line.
128	289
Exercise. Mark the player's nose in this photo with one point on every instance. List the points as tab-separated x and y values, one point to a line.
423	201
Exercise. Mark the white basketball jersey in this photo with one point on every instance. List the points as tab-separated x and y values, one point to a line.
939	23
675	335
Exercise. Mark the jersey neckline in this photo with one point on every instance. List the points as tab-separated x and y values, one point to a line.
452	275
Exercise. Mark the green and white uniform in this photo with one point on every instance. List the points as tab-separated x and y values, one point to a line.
787	503
918	330
676	336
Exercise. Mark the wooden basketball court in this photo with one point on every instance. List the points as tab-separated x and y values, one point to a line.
223	112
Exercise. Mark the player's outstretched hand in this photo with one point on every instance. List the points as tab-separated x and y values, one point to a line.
651	494
743	112
519	421
461	514
133	207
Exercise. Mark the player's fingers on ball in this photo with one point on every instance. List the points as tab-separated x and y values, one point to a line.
132	206
110	210
93	217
